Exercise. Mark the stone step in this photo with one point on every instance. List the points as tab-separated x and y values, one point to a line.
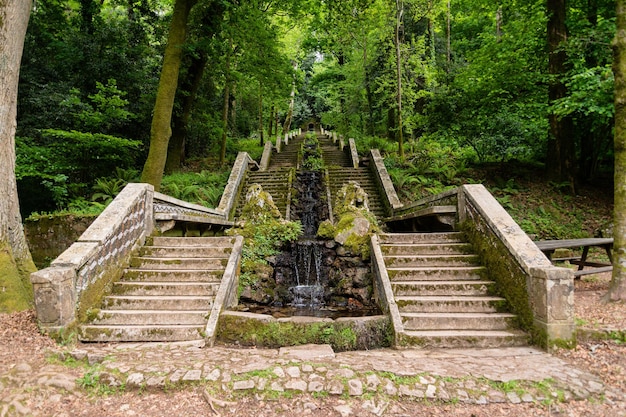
464	338
151	317
179	263
398	238
221	241
163	333
431	260
157	302
449	304
185	251
390	249
441	288
453	273
172	275
457	321
152	288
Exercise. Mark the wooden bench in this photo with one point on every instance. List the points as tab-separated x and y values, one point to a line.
548	247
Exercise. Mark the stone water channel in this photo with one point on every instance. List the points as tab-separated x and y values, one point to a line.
321	278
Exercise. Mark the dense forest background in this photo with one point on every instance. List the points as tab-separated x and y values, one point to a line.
439	86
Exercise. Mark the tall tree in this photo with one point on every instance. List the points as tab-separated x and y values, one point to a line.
160	130
617	289
561	149
15	260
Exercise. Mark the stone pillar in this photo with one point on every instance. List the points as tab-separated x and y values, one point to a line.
55	296
551	296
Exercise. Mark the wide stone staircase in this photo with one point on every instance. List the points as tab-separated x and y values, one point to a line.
443	294
165	295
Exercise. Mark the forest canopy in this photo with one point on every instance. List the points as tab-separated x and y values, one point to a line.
436	84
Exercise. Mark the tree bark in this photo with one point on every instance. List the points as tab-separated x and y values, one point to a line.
399	13
16	262
160	130
617	289
261	137
225	109
292	99
561	149
190	86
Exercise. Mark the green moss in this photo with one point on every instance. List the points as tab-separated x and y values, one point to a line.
326	230
15	282
342	336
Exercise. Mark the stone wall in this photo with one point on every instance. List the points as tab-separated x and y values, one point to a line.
49	236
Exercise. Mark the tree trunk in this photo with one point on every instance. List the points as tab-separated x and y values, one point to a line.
617	289
16	263
271	127
292	99
261	138
189	86
399	13
561	149
160	130
225	112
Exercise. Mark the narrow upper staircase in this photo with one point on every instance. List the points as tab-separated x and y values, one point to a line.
165	295
443	294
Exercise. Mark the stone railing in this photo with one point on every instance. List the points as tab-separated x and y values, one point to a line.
354	155
390	197
383	293
76	279
233	186
226	296
541	294
267	155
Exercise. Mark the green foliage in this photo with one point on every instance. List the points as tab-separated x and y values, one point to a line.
204	188
263	238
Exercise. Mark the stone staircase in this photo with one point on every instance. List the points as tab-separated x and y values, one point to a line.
333	156
165	295
276	182
443	293
339	176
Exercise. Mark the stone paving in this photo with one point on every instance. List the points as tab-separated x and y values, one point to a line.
473	376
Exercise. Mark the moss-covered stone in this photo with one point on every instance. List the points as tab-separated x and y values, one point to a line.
259	205
358	333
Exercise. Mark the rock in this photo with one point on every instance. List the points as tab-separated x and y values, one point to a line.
335	387
78	354
276	386
293	371
193	375
355	387
66	382
94	358
372	382
155	382
344	410
278	371
390	388
296	385
214	375
243	385
315	386
307	352
134	379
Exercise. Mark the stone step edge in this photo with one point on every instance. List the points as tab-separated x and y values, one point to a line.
464	333
443	282
471	315
448	298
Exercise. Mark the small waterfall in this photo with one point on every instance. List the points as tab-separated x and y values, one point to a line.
307	266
